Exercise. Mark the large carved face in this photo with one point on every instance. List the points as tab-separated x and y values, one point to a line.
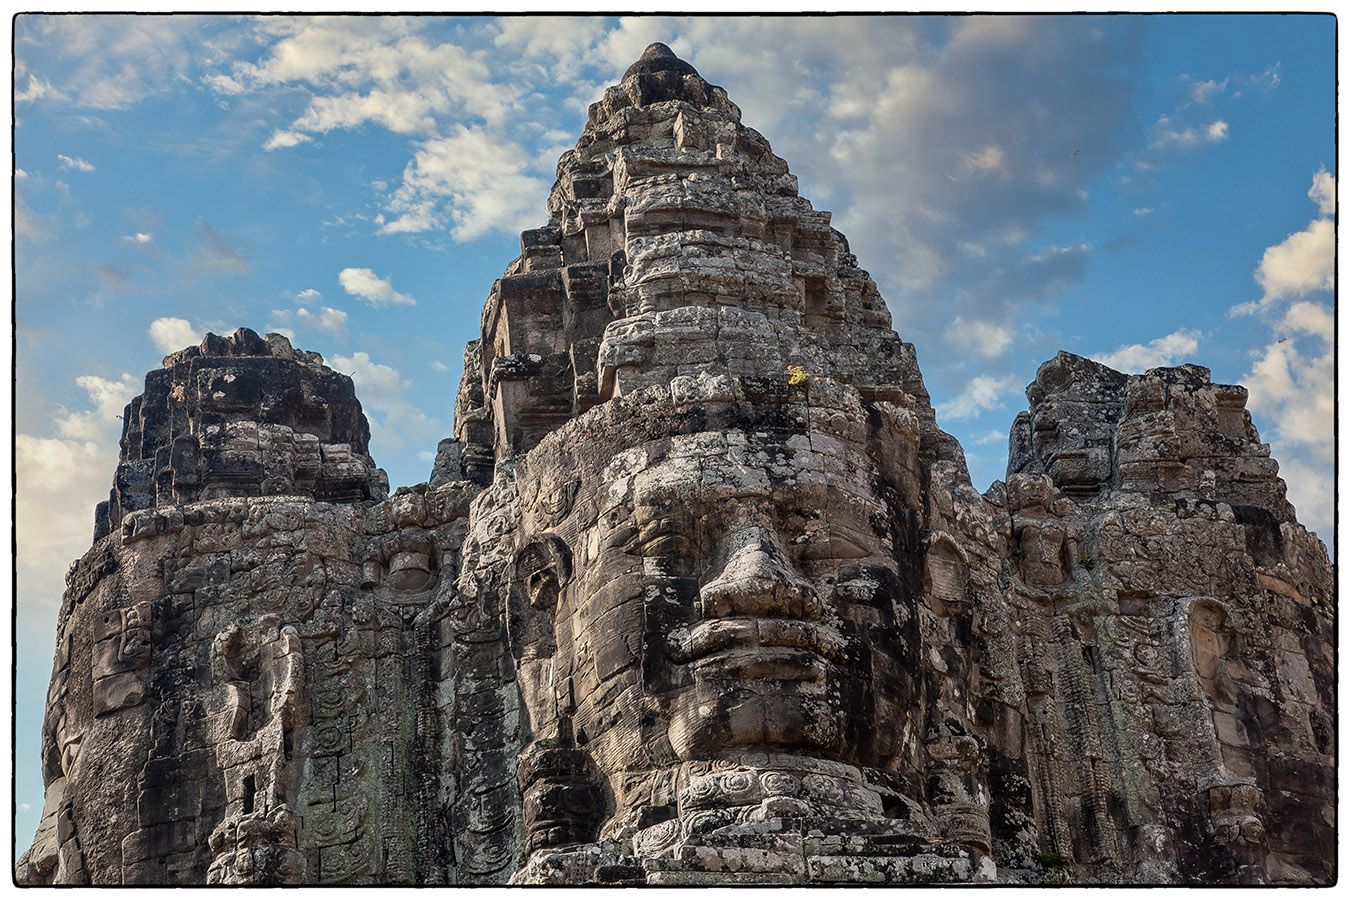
741	581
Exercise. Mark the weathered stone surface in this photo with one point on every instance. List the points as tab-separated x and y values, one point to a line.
697	592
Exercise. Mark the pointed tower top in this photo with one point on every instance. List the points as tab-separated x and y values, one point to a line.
660	58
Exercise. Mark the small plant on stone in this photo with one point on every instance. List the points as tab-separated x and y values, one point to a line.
1087	561
1051	860
798	375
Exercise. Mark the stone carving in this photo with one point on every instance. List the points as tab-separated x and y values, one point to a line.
697	592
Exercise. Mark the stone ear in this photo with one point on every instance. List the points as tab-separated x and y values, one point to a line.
541	569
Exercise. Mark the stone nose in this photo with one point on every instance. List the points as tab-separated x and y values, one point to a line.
757	580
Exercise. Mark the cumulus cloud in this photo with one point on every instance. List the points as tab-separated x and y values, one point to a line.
59	480
982	393
366	70
308	295
1292	379
170	333
470	182
561	40
1168	350
376	382
1300	264
1292	399
394	420
1323	192
1305	261
985	338
325	318
73	163
373	289
139	239
107	399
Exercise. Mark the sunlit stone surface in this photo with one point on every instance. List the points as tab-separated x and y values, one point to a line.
697	593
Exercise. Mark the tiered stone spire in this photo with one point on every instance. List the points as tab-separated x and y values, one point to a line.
698	592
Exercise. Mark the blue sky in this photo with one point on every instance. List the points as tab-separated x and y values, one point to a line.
1144	190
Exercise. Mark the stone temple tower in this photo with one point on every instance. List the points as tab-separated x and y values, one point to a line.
698	591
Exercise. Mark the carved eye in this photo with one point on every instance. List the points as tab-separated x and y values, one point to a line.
666	537
664	546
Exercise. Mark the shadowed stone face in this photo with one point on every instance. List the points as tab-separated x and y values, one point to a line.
717	594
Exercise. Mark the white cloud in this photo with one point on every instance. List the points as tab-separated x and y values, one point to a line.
373	289
374	381
438	366
113	62
1305	261
394	420
140	238
1292	379
108	398
282	139
1143	211
1292	398
325	318
170	334
992	436
988	339
1302	263
1306	317
469	181
308	295
1202	91
982	393
1167	135
73	163
561	40
359	70
58	482
1168	350
36	90
1323	192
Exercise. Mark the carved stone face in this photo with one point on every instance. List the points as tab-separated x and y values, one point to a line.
728	592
